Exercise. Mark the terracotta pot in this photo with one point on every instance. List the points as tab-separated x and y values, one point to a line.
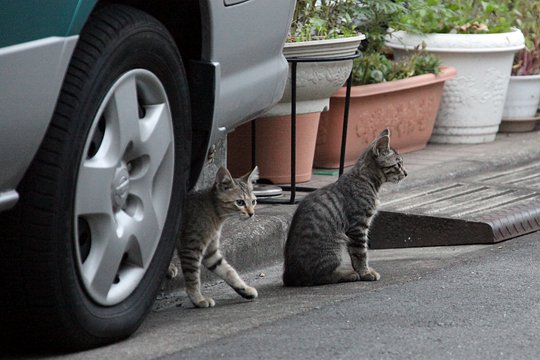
408	107
273	148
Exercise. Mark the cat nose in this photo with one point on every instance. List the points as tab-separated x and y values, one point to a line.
404	172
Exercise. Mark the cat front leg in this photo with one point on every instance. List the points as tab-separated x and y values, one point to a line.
191	264
216	263
358	250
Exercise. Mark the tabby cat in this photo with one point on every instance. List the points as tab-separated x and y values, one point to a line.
203	216
328	237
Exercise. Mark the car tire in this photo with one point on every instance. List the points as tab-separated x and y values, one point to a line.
88	244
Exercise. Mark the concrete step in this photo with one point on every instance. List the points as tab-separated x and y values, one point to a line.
481	209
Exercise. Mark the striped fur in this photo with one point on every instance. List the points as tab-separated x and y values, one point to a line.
328	237
203	216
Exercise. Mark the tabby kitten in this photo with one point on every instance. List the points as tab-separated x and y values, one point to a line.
203	216
328	237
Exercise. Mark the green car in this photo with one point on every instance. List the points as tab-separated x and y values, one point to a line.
108	109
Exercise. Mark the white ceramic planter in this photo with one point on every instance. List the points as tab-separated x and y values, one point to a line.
472	103
522	101
316	82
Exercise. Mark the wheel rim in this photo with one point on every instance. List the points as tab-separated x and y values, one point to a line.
124	187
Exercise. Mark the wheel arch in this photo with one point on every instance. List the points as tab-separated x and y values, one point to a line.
185	21
181	18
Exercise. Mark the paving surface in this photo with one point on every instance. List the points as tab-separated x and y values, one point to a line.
445	161
479	307
464	302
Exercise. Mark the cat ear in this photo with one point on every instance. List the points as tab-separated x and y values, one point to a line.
253	176
385	132
224	178
382	145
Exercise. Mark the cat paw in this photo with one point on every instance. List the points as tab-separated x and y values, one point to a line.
349	277
248	292
205	303
370	275
172	272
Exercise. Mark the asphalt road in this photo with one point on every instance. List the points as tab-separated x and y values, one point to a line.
468	302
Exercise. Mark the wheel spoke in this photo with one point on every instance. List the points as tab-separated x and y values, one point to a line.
102	265
144	230
123	115
156	135
93	189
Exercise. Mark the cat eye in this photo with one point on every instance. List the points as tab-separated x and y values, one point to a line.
240	202
253	202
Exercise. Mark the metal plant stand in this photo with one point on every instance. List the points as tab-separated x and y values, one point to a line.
271	189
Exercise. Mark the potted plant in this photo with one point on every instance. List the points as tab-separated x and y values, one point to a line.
402	95
523	97
477	39
320	28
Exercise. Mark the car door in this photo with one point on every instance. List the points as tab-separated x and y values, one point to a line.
248	82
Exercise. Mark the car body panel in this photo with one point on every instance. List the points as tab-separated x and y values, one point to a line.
29	20
83	10
37	41
38	38
252	77
233	2
31	76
